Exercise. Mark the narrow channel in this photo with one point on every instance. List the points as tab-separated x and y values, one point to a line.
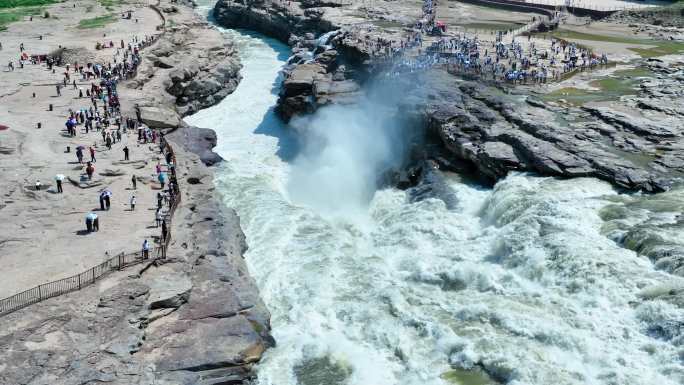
523	283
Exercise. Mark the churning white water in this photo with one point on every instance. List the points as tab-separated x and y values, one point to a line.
516	284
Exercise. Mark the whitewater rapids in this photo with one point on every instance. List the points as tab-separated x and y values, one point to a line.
521	284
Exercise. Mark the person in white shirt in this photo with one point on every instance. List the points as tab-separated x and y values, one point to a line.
146	249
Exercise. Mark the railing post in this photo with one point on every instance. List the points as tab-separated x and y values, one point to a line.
40	295
79	282
93	272
120	262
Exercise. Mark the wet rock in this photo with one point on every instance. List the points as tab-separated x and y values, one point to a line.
500	133
301	79
328	59
497	159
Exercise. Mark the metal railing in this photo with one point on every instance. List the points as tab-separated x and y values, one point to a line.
116	263
73	283
95	273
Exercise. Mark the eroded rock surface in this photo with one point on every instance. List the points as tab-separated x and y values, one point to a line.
635	144
498	133
196	319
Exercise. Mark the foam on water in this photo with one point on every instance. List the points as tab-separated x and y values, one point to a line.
518	280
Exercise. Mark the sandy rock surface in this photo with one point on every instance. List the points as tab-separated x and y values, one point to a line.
195	318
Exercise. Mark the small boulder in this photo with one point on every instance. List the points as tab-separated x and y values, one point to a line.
159	117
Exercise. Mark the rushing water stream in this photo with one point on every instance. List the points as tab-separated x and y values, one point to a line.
524	280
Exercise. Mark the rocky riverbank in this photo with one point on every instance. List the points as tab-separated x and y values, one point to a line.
195	318
495	129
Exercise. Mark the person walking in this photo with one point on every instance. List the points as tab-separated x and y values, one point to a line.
96	223
160	199
158	217
133	181
146	249
92	154
107	200
102	201
125	150
162	180
132	202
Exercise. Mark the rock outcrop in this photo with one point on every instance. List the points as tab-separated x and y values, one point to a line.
275	18
324	50
498	133
191	67
194	318
636	146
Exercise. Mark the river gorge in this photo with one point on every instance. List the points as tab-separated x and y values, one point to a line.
535	280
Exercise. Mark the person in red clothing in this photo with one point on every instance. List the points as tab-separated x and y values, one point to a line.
92	154
90	170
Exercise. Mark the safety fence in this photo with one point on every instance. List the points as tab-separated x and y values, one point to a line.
73	283
95	273
116	263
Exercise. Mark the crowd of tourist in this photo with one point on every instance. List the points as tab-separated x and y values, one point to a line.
518	60
102	116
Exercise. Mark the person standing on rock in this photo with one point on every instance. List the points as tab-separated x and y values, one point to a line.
158	217
58	180
107	199
125	151
133	202
146	249
134	182
92	154
59	89
90	170
164	230
102	201
160	199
